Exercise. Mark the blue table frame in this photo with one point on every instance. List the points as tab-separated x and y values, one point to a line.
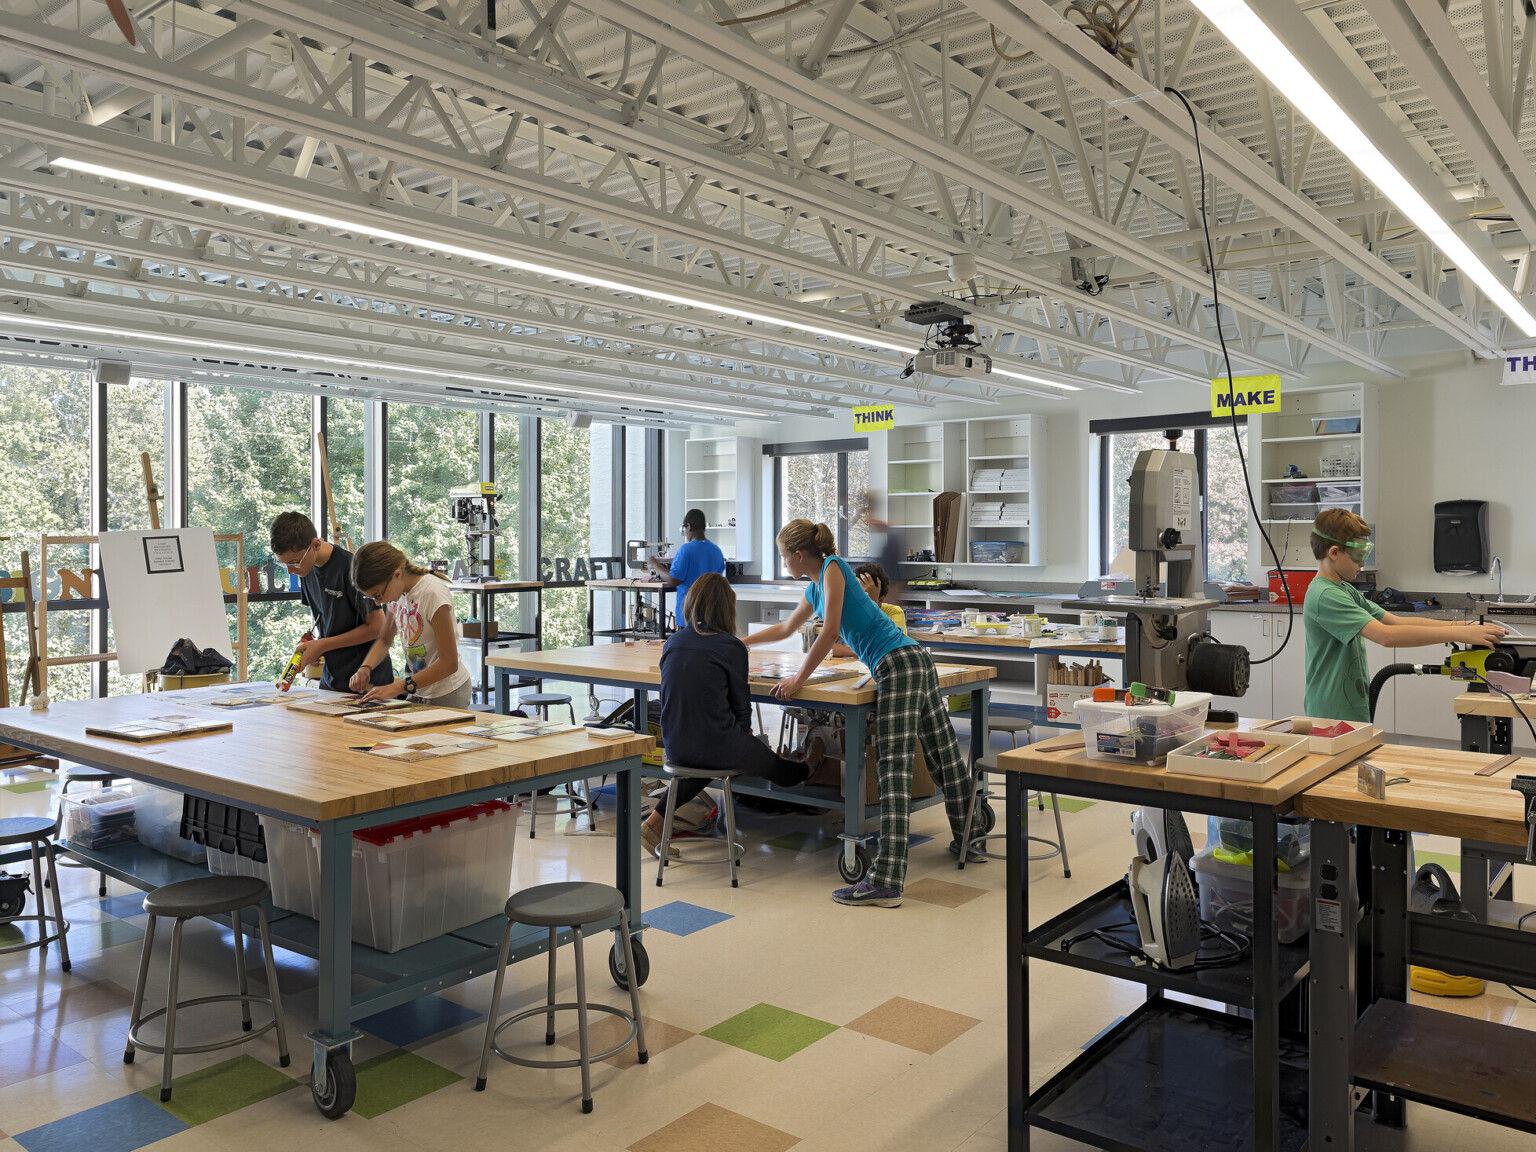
405	975
860	821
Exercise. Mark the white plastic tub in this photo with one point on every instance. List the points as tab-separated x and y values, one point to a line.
159	824
228	864
1226	896
411	880
1141	733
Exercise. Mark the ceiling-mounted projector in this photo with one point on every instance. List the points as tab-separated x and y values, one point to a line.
952	362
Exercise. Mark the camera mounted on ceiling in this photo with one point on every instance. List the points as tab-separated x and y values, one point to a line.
952	350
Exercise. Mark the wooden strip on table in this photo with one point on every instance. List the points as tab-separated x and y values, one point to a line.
1498	766
289	762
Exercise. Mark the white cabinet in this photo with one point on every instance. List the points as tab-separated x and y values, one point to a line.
1252	631
720	479
1425	703
1288	670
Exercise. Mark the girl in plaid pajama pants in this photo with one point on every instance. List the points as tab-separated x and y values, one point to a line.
910	707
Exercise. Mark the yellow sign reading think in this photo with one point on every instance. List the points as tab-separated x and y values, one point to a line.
874	418
1246	395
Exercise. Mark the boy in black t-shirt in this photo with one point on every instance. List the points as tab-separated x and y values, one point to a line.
346	621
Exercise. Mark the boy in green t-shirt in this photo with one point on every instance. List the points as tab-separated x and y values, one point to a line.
1339	620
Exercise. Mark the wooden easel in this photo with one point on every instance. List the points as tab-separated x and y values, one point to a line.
330	501
151	491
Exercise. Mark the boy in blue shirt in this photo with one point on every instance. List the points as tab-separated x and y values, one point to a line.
696	557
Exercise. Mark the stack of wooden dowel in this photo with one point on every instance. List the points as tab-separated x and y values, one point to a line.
1089	675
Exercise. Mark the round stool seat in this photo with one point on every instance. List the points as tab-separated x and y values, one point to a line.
26	829
1010	724
683	772
205	896
987	763
567	904
539	699
82	775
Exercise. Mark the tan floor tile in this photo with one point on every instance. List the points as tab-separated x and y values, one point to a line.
605	1031
710	1127
913	1025
942	892
54	1006
1489	1006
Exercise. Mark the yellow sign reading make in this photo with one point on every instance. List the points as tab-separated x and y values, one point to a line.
875	418
1246	395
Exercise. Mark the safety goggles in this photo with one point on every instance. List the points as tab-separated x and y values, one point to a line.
1359	549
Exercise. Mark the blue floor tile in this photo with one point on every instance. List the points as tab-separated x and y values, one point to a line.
124	906
417	1020
683	919
117	1126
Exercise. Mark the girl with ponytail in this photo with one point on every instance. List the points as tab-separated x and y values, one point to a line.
417	607
910	708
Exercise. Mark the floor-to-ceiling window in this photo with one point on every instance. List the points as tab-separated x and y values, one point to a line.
45	470
248	458
565	529
344	452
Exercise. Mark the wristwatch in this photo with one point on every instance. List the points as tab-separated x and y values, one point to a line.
410	685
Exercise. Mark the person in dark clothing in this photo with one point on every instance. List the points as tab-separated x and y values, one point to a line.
706	707
345	621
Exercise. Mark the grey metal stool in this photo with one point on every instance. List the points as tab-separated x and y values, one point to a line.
544	701
982	793
734	850
576	805
209	896
572	904
39	833
79	774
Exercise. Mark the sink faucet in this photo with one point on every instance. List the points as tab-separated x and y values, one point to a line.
1497	573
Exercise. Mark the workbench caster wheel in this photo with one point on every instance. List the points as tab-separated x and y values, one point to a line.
616	963
340	1086
985	819
854	872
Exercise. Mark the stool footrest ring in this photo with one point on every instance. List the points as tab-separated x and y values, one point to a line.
683	858
40	942
545	1010
234	997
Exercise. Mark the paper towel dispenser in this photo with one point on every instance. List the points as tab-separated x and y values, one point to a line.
1461	536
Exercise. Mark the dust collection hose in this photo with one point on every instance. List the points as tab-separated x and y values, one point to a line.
1379	681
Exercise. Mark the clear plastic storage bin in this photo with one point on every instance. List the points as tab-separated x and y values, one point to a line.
411	880
100	817
1226	896
1295	494
1339	493
1233	837
1141	733
228	864
1293	511
159	824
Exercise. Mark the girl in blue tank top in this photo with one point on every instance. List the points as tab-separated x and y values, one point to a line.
910	708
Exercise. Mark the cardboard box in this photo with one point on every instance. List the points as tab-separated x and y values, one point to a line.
472	630
1061	700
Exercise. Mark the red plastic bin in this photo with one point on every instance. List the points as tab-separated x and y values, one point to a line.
1298	578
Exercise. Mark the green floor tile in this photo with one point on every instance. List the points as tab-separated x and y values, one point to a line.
397	1078
199	1097
29	786
1447	861
802	842
10	934
1068	804
772	1032
90	938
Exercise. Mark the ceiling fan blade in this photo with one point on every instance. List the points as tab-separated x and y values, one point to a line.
124	21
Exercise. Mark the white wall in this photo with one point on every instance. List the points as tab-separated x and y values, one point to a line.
1449	430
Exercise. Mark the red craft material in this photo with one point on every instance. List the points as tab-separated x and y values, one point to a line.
1237	743
1333	730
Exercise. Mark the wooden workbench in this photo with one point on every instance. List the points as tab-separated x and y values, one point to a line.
291	762
1044	644
636	668
639	663
1490	720
1064	757
301	768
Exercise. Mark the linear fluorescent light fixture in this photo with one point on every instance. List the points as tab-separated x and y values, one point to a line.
1264	50
234	200
75	331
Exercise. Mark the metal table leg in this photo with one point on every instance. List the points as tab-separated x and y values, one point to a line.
503	691
1332	986
1389	937
853	834
1266	981
332	1081
1016	827
980	742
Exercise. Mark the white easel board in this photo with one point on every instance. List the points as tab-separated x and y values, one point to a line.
162	584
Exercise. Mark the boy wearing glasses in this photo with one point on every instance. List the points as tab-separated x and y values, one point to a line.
1339	620
694	558
346	622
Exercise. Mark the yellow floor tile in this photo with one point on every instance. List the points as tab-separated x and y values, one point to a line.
709	1128
913	1025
